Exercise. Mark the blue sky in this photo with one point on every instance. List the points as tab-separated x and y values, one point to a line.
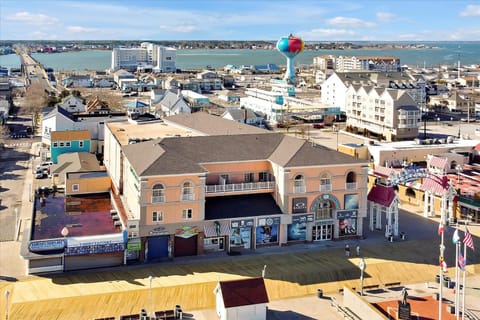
313	20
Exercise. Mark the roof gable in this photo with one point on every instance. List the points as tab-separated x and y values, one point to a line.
70	135
382	195
243	292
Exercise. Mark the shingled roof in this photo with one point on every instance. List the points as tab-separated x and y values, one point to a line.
243	292
186	155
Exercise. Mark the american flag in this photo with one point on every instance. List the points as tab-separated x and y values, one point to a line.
468	240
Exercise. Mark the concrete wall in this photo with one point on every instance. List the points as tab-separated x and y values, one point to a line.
360	306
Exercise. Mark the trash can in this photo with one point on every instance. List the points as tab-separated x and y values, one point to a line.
320	293
178	311
437	278
446	282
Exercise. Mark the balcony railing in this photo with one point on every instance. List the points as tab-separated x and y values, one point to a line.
351	185
325	187
187	197
299	189
158	199
240	187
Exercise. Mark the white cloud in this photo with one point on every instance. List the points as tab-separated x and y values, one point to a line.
326	34
80	29
32	18
179	28
471	11
349	22
385	16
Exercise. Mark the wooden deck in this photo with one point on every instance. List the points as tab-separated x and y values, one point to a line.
104	294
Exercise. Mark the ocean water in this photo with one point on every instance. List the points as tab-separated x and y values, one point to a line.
443	54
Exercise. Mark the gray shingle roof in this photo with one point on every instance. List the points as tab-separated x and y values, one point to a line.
186	155
211	125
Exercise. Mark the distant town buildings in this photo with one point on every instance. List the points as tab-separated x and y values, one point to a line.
147	57
357	63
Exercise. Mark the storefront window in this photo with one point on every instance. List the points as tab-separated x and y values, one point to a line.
267	234
347	226
297	231
324	210
240	237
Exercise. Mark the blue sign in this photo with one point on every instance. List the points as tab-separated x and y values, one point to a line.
46	245
242	223
346	214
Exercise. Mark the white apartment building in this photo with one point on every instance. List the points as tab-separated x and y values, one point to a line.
389	113
268	103
357	63
335	86
148	55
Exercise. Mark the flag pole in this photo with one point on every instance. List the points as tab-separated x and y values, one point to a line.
440	296
457	281
464	280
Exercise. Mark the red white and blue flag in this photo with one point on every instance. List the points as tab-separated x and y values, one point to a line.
440	228
462	262
468	240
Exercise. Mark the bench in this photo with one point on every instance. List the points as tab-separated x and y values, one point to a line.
165	315
392	284
372	286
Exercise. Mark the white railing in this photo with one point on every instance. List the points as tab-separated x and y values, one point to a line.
158	199
350	185
187	197
325	187
239	187
299	189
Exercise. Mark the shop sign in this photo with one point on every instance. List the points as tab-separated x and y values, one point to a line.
268	221
299	205
159	231
186	232
301	218
46	245
134	245
242	223
346	214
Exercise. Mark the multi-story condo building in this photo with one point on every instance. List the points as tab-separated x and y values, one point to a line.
147	56
334	87
388	113
188	195
357	63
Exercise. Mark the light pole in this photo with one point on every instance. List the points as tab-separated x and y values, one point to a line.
7	293
362	266
150	278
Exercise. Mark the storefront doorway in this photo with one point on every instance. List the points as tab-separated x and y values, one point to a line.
322	232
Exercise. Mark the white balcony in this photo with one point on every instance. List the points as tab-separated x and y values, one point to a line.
350	185
158	199
240	187
299	189
325	187
187	197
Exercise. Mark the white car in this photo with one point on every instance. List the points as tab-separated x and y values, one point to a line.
44	165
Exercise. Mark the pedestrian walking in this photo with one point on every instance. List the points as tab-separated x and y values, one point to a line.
347	250
358	251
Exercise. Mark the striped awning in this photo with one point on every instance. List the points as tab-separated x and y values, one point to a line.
210	230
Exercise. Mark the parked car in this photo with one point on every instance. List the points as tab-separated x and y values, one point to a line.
40	173
319	125
44	165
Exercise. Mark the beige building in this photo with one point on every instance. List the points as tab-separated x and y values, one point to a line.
390	114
